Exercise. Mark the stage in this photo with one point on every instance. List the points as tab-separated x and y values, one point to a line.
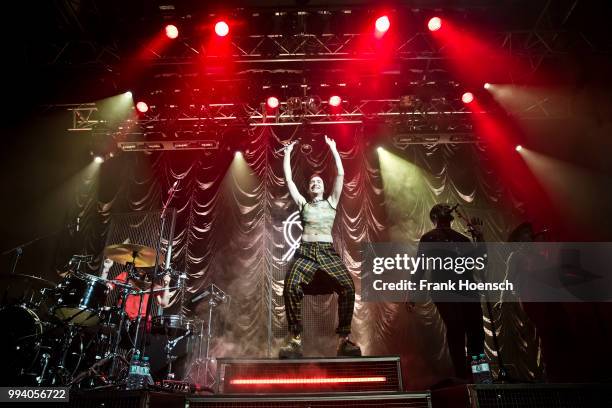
356	382
308	203
460	396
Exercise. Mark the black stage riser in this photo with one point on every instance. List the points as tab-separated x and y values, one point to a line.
524	396
399	400
123	399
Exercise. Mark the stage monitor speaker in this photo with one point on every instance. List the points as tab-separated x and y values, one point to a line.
309	376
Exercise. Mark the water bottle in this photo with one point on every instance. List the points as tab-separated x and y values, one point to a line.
476	375
146	371
485	370
135	380
139	376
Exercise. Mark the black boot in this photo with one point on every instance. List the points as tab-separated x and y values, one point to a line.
347	348
292	348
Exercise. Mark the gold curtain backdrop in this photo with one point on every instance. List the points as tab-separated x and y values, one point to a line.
229	231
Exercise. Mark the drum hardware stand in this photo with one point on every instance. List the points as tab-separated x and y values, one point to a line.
39	379
201	366
62	372
170	345
126	292
148	306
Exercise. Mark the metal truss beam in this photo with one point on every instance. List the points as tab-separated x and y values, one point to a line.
408	115
83	117
437	114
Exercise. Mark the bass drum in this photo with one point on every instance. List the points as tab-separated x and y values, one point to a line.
33	350
20	342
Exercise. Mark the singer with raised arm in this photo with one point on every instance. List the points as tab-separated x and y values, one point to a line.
463	318
316	254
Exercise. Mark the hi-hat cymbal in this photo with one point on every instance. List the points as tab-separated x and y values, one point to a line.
141	256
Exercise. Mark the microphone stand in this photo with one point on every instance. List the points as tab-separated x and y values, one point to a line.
142	347
19	248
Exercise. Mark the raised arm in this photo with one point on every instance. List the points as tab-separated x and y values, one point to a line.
334	198
163	299
295	194
107	264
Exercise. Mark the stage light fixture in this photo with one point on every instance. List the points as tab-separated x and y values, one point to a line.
98	159
467	97
518	148
272	102
142	107
487	85
172	31
128	94
313	103
221	28
335	101
434	24
382	24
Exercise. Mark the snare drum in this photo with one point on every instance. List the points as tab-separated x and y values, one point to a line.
79	299
172	325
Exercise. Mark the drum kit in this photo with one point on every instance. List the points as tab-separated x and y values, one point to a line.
68	334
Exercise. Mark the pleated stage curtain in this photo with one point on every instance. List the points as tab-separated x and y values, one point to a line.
236	224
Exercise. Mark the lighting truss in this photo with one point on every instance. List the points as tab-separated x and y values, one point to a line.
432	115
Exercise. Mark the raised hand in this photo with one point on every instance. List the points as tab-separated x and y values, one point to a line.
289	147
330	142
108	263
166	279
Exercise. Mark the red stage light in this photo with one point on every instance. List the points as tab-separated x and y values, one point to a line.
171	31
467	97
142	107
313	380
382	24
435	23
221	28
335	101
272	102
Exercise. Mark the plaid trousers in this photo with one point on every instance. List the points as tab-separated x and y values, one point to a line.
310	258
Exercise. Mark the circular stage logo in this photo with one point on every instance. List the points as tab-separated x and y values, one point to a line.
292	232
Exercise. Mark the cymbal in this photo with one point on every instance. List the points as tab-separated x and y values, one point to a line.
29	279
142	256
